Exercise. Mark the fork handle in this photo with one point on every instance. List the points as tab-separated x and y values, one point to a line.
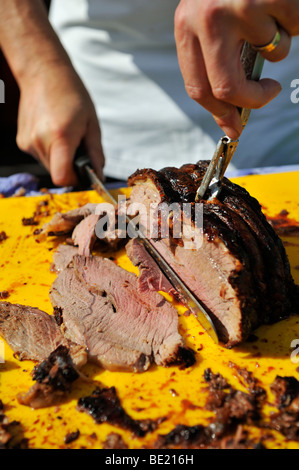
252	63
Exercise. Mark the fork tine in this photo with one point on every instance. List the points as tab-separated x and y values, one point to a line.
210	171
217	167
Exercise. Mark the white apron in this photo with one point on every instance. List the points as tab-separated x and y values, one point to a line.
125	53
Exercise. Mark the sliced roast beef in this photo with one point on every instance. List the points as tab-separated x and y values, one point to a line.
150	277
33	334
84	235
240	272
81	223
64	223
62	257
121	327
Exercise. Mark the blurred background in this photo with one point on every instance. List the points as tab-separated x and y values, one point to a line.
13	160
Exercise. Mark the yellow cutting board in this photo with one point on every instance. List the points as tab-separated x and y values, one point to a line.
178	395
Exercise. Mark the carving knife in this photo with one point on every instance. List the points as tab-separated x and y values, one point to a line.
87	176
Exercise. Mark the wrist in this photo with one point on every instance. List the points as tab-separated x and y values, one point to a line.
50	65
28	40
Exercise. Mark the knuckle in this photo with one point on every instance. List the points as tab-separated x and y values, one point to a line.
225	92
34	138
180	19
197	93
213	12
246	8
59	132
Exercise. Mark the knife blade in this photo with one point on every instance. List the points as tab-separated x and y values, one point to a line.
86	173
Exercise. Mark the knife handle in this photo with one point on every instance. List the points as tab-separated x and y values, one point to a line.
81	161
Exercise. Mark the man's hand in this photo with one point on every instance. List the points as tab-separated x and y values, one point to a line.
55	115
55	112
209	37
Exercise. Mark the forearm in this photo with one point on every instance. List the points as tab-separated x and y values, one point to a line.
27	39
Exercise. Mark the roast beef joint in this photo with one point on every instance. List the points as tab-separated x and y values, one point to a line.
240	272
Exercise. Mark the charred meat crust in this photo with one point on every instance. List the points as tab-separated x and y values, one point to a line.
104	406
53	377
161	183
285	390
233	409
277	268
3	236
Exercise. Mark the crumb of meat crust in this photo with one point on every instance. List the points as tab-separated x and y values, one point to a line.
285	390
53	377
7	441
233	410
29	221
286	420
71	437
3	236
105	407
114	441
4	294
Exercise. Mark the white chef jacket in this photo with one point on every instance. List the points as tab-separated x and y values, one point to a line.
124	51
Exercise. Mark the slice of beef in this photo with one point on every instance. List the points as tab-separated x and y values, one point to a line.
240	272
84	235
33	334
150	277
54	377
62	257
81	223
122	328
64	223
